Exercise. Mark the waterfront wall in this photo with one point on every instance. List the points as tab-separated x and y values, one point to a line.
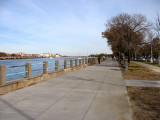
6	87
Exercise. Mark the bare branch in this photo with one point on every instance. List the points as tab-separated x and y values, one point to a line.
124	32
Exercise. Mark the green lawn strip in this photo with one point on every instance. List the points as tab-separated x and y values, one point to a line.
135	67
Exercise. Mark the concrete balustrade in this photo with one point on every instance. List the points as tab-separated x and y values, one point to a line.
71	63
83	61
57	65
28	68
29	80
45	67
76	62
2	74
87	60
65	64
95	60
80	62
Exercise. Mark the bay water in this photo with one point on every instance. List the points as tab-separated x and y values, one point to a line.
18	65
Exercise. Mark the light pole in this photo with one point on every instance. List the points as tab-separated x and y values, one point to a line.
151	52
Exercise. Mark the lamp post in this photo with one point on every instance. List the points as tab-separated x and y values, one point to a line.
151	52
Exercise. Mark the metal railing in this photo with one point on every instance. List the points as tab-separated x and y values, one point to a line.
15	73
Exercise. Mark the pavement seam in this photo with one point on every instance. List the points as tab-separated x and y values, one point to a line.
16	109
124	83
101	75
144	83
20	99
94	97
58	100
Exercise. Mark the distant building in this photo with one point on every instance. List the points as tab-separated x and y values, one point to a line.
21	54
28	55
36	55
58	55
47	55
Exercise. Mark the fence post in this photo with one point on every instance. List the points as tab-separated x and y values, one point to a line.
80	62
2	74
101	59
94	60
76	62
71	63
57	65
45	67
83	61
87	60
65	64
29	70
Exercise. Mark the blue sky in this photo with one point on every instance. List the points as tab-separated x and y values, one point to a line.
67	27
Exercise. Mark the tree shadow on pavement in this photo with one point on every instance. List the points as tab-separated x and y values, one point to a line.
16	109
91	80
102	65
116	69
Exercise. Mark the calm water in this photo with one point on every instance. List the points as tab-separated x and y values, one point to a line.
37	67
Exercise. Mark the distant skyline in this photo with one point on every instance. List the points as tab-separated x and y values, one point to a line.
67	27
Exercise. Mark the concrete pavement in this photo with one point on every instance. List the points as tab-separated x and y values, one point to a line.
142	83
95	93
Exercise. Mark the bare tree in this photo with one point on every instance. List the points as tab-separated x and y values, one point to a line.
157	25
126	31
157	28
150	39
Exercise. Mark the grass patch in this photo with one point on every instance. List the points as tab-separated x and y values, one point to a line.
137	72
145	102
133	98
131	69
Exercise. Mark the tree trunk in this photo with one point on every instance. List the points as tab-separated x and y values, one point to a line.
129	56
159	54
135	57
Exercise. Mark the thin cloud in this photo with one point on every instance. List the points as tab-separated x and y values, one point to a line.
66	27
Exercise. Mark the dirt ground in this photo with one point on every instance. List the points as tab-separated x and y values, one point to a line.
145	102
137	72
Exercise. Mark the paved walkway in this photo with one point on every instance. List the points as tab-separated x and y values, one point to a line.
95	93
142	83
154	68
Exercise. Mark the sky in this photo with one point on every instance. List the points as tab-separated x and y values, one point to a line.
67	27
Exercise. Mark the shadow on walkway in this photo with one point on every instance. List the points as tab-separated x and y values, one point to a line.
92	80
17	110
116	69
102	65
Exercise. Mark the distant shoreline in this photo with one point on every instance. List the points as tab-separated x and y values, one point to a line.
12	58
